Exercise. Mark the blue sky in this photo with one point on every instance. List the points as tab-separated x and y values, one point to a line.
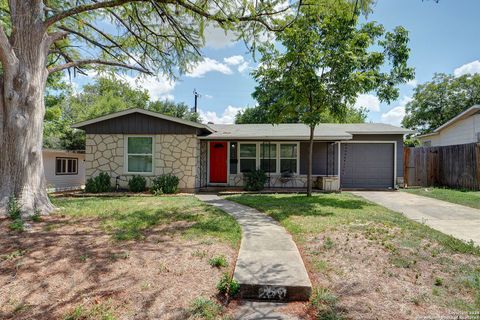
443	38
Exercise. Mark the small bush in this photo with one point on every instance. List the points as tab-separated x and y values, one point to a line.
227	285
438	281
218	262
100	183
165	183
255	180
137	184
205	309
14	212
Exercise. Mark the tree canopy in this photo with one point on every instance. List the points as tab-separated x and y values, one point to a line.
259	114
104	95
326	58
439	100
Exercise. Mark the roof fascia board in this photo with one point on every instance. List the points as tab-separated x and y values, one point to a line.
145	112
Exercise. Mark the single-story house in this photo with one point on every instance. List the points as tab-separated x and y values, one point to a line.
64	169
462	129
141	142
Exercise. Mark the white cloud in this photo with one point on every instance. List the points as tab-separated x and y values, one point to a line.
216	38
234	60
158	87
208	65
228	115
469	68
238	61
244	66
395	115
368	101
208	96
412	83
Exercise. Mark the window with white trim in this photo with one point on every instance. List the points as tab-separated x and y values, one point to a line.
248	157
66	166
268	157
288	157
139	155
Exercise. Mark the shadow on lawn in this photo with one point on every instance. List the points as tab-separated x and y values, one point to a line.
282	207
71	260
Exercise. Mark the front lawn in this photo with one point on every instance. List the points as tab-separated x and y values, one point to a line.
369	262
464	197
117	258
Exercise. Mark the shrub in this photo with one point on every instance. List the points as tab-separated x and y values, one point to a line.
227	285
100	183
166	183
14	212
218	261
137	184
255	180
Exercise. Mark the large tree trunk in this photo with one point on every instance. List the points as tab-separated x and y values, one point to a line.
310	162
22	110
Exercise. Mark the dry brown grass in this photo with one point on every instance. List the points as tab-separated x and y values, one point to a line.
62	266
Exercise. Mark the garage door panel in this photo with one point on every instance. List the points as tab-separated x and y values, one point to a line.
367	165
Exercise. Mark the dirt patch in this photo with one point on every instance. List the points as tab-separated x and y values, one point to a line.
62	266
374	272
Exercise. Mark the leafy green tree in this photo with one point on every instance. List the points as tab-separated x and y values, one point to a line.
104	95
437	101
39	38
259	114
170	108
326	60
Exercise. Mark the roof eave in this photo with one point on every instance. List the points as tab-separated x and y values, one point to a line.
470	111
82	124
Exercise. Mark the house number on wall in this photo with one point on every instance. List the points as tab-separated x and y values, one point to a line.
268	292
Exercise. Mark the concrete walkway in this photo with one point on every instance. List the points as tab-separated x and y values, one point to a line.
269	266
459	221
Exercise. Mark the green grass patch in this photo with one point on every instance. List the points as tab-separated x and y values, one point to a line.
129	218
204	308
464	197
302	215
101	311
218	261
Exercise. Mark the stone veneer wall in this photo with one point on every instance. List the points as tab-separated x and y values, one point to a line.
175	154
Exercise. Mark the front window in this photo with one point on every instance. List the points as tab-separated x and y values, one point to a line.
233	158
140	155
268	157
288	158
64	166
248	157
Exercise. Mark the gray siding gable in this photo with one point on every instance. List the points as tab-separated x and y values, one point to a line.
138	123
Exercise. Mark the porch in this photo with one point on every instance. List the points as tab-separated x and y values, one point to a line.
223	164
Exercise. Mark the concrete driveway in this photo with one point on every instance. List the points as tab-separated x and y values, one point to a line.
453	219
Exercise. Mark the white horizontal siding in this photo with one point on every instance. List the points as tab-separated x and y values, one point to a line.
461	132
62	182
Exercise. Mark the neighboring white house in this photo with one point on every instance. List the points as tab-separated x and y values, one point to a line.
464	128
64	170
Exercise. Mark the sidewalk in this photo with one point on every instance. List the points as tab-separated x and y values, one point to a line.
269	266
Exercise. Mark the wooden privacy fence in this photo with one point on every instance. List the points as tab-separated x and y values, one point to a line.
456	166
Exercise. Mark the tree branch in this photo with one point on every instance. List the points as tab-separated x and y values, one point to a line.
79	63
86	7
7	55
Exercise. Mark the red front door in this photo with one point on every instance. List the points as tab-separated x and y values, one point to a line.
218	162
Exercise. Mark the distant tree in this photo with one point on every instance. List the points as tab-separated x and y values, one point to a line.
437	101
259	114
327	59
105	95
174	109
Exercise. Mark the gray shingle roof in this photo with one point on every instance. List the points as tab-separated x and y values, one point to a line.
297	131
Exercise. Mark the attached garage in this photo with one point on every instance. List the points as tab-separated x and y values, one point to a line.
367	165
